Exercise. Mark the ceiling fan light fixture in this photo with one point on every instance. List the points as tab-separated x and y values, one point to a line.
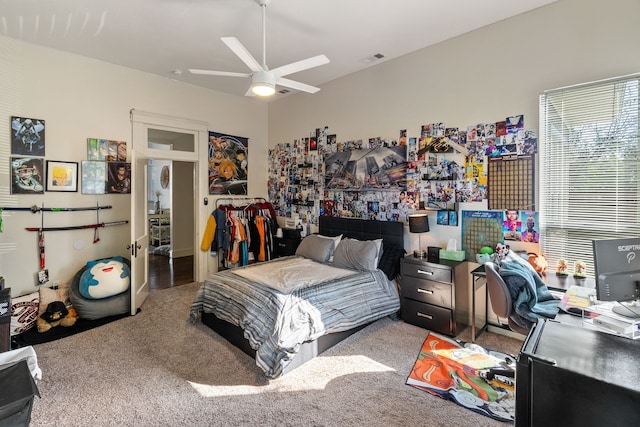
264	83
263	89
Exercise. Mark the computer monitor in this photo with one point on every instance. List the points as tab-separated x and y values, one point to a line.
617	265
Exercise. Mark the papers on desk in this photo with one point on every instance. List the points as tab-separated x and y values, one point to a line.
600	314
578	296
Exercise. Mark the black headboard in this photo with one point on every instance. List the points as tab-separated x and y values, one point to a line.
391	232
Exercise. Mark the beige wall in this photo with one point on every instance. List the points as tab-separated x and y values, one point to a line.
483	76
81	98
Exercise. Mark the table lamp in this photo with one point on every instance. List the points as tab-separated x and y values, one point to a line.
419	223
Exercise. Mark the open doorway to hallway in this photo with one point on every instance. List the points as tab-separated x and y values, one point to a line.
171	261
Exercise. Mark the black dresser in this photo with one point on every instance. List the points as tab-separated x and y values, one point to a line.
428	294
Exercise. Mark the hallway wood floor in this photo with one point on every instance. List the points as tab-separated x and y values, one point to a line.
166	272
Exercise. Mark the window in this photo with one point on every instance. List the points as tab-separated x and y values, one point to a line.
589	168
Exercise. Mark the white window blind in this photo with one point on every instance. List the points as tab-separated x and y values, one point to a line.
589	169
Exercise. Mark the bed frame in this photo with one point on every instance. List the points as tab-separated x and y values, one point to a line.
389	232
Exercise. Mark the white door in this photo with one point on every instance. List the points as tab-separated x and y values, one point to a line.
139	232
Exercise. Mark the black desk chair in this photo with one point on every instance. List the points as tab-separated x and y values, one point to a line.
500	297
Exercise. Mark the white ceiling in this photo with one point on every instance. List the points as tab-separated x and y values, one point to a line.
167	37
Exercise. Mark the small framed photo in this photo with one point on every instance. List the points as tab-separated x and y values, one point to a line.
442	218
62	176
43	277
453	218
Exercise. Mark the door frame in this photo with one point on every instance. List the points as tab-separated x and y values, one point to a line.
141	122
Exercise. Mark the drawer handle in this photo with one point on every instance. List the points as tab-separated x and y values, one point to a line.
424	315
428	273
425	291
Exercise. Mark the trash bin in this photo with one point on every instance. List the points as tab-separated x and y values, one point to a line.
16	399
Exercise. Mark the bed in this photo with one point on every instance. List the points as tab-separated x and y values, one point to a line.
284	328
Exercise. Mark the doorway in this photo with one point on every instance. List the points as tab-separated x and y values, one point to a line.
171	258
164	138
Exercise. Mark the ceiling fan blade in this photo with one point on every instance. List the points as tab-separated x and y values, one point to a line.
297	85
237	48
305	64
218	73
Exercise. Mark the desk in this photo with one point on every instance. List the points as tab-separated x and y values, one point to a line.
554	283
479	279
572	376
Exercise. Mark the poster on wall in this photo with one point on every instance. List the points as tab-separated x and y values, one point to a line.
379	168
228	164
28	175
27	138
94	177
119	178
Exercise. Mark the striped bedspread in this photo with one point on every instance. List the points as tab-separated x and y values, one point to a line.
276	323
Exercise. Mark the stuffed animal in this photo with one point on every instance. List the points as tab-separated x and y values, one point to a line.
538	262
56	314
55	308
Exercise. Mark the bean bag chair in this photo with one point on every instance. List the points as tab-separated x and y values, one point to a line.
102	288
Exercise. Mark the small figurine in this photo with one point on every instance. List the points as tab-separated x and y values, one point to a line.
563	268
580	269
501	251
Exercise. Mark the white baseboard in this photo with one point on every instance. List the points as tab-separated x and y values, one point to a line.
177	253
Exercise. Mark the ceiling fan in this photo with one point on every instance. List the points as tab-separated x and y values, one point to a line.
263	79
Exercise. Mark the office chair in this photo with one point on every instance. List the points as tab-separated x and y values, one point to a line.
500	297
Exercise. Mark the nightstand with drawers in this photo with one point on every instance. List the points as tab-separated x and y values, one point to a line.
428	294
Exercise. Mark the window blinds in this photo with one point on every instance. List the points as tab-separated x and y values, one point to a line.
589	169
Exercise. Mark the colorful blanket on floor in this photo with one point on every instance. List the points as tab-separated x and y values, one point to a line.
461	372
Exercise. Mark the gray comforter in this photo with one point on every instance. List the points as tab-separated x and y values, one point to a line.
276	323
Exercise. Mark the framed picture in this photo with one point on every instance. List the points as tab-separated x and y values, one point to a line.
27	136
442	218
62	176
94	177
453	218
27	175
119	177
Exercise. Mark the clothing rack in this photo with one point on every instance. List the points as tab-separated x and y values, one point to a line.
244	200
241	228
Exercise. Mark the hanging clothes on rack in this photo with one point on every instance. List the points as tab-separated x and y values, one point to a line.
238	231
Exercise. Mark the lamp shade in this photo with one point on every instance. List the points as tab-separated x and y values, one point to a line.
418	223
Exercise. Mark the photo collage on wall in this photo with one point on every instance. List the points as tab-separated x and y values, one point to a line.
106	170
320	175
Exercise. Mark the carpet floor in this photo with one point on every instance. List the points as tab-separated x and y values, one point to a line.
158	369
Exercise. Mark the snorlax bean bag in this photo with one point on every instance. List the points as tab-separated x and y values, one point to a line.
102	288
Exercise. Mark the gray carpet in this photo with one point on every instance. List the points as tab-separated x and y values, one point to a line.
157	369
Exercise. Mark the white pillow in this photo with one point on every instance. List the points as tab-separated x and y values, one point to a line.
336	240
